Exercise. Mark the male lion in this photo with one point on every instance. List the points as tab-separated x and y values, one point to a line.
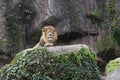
48	38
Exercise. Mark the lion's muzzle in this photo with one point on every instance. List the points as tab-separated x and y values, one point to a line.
50	36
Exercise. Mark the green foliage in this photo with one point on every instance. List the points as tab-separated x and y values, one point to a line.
28	11
107	47
110	15
96	15
19	19
109	54
110	10
116	34
40	64
106	43
96	12
13	34
50	21
35	35
112	65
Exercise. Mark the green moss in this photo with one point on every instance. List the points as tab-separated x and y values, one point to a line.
40	64
112	65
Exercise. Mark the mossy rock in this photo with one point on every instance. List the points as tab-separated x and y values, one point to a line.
41	64
112	65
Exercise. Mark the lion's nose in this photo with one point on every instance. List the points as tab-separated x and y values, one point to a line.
50	34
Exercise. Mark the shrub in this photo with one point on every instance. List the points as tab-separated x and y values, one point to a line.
112	65
40	64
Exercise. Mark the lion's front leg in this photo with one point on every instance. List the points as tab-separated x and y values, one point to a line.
48	44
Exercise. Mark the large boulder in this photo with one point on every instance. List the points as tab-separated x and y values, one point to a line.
42	64
114	75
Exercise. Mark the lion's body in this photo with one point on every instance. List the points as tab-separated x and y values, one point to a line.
49	36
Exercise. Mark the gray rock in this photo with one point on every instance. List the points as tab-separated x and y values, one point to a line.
3	32
114	75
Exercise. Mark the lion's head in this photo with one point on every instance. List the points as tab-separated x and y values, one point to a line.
49	33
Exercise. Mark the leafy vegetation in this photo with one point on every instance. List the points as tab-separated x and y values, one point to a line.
96	15
18	21
40	64
50	21
117	35
13	34
112	65
34	35
108	43
110	10
27	11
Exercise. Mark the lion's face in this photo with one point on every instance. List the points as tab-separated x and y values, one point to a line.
49	32
50	35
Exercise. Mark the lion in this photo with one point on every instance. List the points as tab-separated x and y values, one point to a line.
48	38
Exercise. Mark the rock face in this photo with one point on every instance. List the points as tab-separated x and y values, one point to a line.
3	36
70	17
114	75
68	13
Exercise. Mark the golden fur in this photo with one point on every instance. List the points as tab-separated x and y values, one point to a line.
49	36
